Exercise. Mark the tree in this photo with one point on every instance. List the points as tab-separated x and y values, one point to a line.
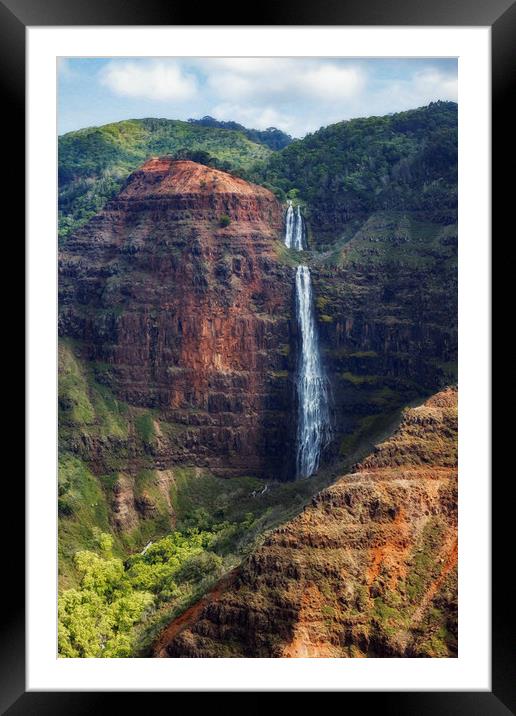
96	620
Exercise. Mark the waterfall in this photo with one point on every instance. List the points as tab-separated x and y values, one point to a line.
299	231
295	233
313	427
313	423
289	225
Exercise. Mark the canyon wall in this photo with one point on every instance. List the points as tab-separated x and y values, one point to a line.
175	295
368	569
386	300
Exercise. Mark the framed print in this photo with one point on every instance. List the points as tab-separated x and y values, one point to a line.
258	365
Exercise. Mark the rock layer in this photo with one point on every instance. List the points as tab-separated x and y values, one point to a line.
176	289
367	570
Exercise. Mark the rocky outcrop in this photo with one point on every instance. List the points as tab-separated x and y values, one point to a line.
178	301
130	505
367	570
125	514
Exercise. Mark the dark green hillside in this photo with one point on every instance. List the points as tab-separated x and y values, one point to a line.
94	162
402	162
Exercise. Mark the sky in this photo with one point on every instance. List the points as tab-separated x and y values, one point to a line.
297	95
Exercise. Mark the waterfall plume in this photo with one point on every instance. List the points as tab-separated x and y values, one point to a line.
313	427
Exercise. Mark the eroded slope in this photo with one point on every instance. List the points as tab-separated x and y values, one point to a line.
367	570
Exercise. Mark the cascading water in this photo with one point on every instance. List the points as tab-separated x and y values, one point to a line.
289	225
313	427
313	424
295	234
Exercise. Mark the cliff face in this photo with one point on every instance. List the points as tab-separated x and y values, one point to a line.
386	299
175	296
367	570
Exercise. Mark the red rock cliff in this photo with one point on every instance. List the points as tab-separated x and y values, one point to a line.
175	286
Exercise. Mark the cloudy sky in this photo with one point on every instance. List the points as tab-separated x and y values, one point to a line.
295	95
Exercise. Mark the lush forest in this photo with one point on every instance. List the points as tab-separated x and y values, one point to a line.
401	161
114	594
100	616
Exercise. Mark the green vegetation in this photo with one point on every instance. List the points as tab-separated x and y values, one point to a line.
224	220
394	239
199	495
73	398
99	610
361	379
388	615
271	137
210	523
97	618
82	509
437	634
117	603
83	402
359	431
145	427
425	563
286	256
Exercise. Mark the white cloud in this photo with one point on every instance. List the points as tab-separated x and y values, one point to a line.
253	78
231	86
435	84
332	82
293	94
257	117
424	86
156	80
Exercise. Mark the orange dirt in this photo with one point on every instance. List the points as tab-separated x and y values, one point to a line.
189	616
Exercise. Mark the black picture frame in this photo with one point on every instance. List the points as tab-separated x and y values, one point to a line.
15	16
